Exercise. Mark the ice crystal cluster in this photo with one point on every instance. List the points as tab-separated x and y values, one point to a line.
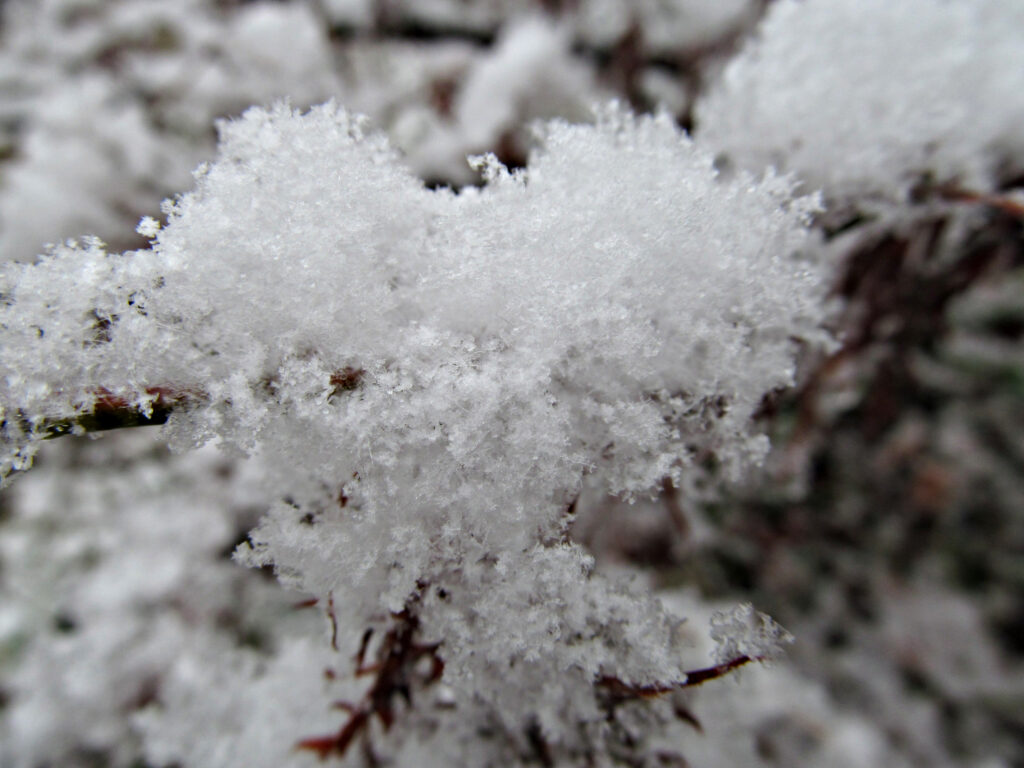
427	376
106	106
889	97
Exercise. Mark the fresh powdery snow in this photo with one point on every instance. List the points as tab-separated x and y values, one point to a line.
890	98
427	377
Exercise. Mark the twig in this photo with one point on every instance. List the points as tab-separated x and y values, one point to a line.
332	617
112	411
622	691
396	674
1003	203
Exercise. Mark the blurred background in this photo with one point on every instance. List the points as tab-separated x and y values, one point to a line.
885	530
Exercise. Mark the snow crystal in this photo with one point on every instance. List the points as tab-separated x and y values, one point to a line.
743	631
148	227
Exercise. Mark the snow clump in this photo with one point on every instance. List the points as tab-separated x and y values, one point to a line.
430	375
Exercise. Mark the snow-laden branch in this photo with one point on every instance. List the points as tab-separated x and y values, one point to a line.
448	365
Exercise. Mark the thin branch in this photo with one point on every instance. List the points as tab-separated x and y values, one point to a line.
112	411
622	690
396	674
1004	203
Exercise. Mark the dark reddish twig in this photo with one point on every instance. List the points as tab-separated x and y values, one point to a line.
363	645
1003	203
395	675
111	411
684	714
622	690
333	619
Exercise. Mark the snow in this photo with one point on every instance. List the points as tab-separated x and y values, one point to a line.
889	97
576	317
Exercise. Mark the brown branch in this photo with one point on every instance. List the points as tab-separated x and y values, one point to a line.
1002	203
112	411
332	617
622	691
396	675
